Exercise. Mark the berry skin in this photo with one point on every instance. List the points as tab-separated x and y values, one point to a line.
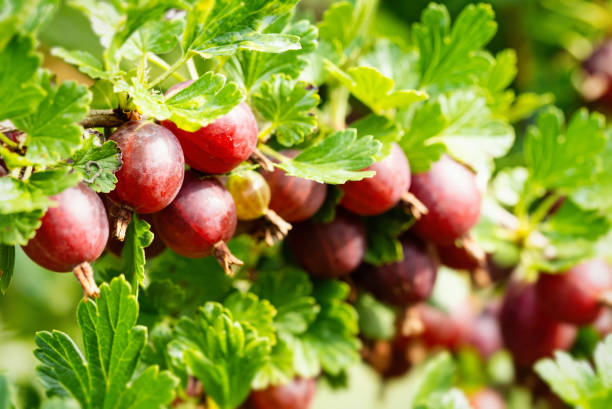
453	200
221	145
529	331
294	199
457	257
449	330
298	394
153	167
382	191
202	215
486	398
575	296
485	335
329	249
73	232
404	282
251	194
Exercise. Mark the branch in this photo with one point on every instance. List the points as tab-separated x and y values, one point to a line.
104	118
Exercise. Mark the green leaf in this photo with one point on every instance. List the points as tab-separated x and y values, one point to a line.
289	290
248	309
104	96
561	157
19	93
98	163
84	61
452	399
278	370
156	36
374	89
288	106
575	381
382	129
327	211
571	223
394	62
348	36
253	67
450	57
5	394
137	237
7	265
19	227
331	339
383	231
222	353
207	99
376	320
104	18
53	132
438	375
337	158
222	27
463	123
104	375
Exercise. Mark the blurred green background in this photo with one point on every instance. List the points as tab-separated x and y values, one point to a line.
552	39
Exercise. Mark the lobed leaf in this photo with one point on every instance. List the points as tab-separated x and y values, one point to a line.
97	163
137	237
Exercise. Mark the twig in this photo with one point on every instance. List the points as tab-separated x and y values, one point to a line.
104	118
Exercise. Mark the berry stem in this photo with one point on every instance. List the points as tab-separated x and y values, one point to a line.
164	76
276	228
121	215
605	299
225	257
411	204
104	118
4	139
259	158
153	58
412	324
84	274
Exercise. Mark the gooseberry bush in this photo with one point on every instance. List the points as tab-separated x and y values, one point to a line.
254	202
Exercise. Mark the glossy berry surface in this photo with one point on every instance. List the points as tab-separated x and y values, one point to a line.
294	199
575	296
297	394
329	249
73	232
486	398
153	166
456	257
382	191
446	329
449	192
201	215
528	330
485	335
404	282
221	145
251	194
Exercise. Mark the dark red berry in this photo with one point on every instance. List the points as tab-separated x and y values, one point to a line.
529	331
598	84
576	295
153	167
404	282
485	335
329	249
450	193
294	199
202	215
448	330
457	257
486	398
382	191
298	394
222	145
73	232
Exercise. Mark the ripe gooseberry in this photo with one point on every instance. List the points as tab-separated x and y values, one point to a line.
442	329
294	199
152	170
199	220
297	394
379	193
71	235
450	193
576	296
528	330
485	335
404	282
251	195
221	145
331	249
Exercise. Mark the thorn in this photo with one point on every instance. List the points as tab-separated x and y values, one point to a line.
225	257
84	274
411	204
